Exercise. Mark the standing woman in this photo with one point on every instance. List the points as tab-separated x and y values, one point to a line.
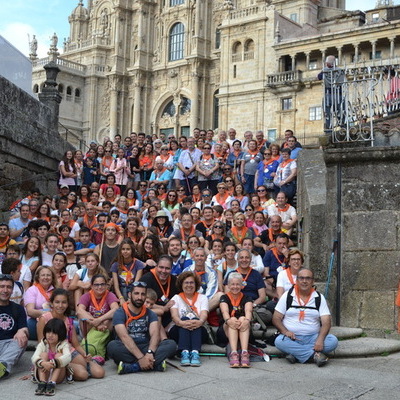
266	170
121	170
234	157
134	167
189	313
67	171
275	149
105	165
237	310
286	174
126	270
78	160
208	169
146	162
248	167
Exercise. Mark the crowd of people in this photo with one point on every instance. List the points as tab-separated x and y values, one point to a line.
150	245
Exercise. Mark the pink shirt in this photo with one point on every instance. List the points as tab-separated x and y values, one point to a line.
33	296
87	302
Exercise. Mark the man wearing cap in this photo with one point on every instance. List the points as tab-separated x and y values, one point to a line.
13	327
161	174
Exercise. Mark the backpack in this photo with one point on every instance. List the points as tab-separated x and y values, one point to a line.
289	301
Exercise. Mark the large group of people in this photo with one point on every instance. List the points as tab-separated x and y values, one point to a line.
149	244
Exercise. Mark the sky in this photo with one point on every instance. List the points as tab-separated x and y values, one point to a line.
20	19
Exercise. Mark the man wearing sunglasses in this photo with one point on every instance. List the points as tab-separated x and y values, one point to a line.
206	200
303	318
13	328
138	346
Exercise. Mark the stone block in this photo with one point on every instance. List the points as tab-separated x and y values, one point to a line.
370	270
378	310
351	308
369	231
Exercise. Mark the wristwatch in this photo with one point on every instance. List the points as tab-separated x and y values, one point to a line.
150	352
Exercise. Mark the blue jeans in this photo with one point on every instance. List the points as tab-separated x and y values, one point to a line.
303	347
249	184
186	339
32	328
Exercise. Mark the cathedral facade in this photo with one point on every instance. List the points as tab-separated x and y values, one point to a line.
172	65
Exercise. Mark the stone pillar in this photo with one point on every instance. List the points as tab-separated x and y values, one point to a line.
391	47
50	95
307	61
323	55
356	53
194	112
114	106
136	107
373	44
293	62
339	49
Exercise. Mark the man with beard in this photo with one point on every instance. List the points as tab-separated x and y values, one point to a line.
138	347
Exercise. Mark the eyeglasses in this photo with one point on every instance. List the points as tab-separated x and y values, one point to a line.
164	149
98	285
206	195
249	209
206	148
304	278
267	154
139	284
218	227
226	169
260	190
228	180
181	190
143	185
171	195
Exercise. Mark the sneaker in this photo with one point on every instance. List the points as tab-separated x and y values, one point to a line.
234	360
185	358
245	359
3	370
127	368
195	359
41	389
50	389
162	367
99	360
320	359
291	358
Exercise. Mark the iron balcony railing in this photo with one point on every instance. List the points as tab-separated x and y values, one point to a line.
355	97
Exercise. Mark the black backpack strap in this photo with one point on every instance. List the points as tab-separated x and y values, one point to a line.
289	300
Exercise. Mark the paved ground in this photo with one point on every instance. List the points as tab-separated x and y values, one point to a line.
344	379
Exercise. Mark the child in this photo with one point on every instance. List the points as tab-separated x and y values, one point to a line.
51	357
114	214
89	172
151	298
84	246
126	270
12	266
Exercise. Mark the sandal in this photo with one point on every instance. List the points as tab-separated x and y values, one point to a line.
234	360
245	359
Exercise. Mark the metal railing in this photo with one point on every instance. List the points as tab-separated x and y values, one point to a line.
355	97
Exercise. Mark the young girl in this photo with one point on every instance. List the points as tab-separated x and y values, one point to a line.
80	363
31	256
51	243
58	266
51	357
81	281
126	270
228	265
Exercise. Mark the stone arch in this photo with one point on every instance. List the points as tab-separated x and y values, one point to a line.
237	51
249	48
60	88
69	90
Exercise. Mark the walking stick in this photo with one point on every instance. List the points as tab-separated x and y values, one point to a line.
85	333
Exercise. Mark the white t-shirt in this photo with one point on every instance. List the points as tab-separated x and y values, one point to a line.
311	323
285	215
184	310
283	280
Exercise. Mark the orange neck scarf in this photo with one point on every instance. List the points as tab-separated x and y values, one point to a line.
184	236
301	303
129	275
98	306
247	275
284	209
164	292
4	242
89	224
235	302
276	255
290	276
129	315
284	163
43	292
191	303
239	234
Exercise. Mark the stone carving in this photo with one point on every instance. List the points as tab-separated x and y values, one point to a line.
33	46
104	19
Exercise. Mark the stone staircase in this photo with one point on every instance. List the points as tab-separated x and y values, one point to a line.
352	343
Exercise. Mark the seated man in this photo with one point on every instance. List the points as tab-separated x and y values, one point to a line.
161	174
275	259
285	211
13	327
303	318
138	347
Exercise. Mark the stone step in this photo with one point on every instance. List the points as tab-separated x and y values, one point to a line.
358	347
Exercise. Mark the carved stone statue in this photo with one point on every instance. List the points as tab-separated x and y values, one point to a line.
54	41
33	45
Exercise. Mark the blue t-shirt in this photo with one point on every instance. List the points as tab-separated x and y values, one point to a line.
138	329
253	282
12	318
270	261
180	265
80	246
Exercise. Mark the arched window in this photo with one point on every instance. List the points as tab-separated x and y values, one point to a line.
237	50
60	88
77	92
69	91
169	109
249	50
36	88
176	42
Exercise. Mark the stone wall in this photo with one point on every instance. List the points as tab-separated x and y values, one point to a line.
365	183
30	149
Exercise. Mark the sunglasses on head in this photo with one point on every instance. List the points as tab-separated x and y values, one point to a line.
139	284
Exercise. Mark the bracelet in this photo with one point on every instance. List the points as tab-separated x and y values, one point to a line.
39	363
121	297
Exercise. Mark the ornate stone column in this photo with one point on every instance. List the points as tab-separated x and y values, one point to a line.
136	107
194	112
